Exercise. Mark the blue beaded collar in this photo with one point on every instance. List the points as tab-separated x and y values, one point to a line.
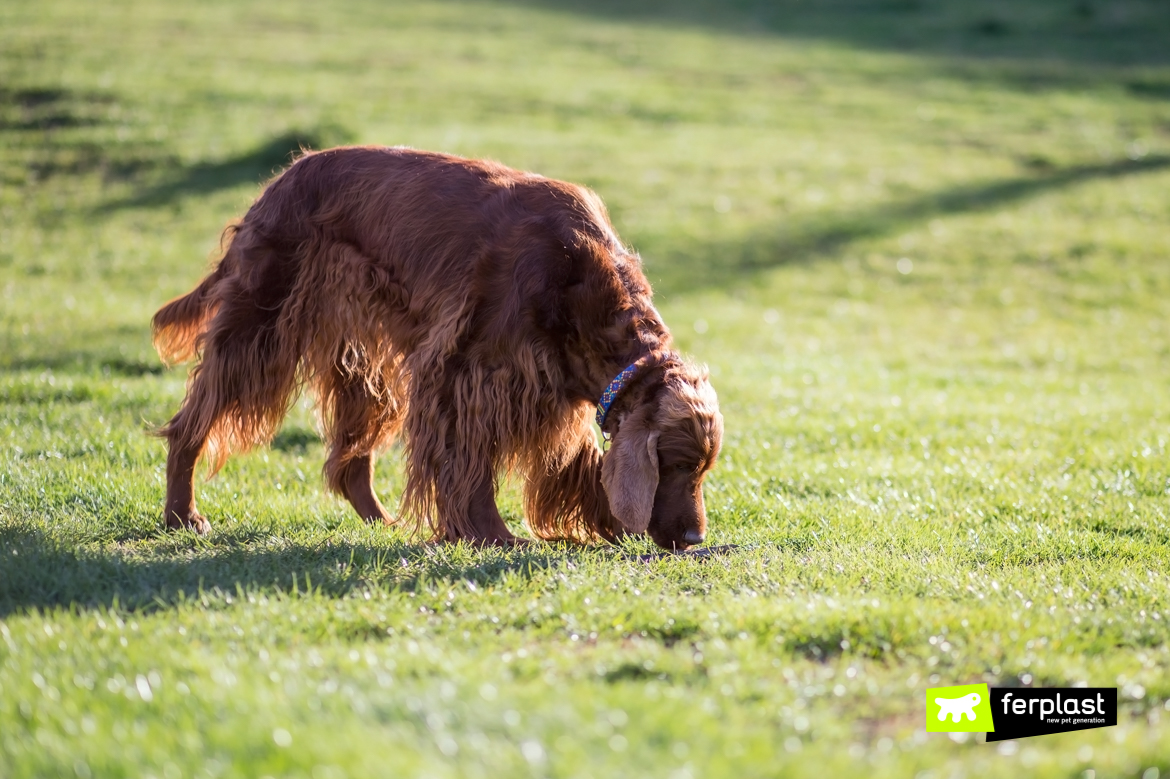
615	388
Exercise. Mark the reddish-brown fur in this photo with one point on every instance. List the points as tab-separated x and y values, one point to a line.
478	310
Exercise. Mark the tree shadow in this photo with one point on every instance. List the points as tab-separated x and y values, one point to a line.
35	122
44	573
50	108
251	167
818	236
120	349
1101	32
81	361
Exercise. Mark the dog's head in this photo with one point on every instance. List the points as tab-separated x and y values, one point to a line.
664	445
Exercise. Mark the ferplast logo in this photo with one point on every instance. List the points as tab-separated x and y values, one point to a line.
962	709
1008	713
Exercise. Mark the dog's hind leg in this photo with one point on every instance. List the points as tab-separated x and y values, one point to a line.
179	511
237	396
361	414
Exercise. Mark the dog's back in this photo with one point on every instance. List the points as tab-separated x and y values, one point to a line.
420	220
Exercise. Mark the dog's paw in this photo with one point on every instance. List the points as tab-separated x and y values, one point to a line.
188	520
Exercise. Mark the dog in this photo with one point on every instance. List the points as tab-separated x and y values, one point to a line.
479	311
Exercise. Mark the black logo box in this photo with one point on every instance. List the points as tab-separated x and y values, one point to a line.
1023	712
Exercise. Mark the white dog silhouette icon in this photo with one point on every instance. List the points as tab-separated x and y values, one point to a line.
957	707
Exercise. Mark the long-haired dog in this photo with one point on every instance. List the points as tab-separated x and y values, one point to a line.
480	311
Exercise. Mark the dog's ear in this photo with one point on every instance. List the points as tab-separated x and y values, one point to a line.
629	473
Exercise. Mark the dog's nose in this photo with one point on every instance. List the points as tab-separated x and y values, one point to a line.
693	537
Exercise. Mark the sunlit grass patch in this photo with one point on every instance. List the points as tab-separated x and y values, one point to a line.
922	247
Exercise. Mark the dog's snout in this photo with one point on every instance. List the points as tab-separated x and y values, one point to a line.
693	537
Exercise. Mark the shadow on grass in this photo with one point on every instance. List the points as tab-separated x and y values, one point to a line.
251	167
79	361
823	235
43	573
1045	32
35	122
34	114
50	108
112	349
295	439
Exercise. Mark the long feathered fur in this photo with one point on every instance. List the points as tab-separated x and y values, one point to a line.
475	309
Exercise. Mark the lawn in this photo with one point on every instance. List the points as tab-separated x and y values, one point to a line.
923	245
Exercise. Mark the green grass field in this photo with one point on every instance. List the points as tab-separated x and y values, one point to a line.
924	246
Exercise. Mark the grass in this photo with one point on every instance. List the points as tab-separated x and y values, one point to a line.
922	245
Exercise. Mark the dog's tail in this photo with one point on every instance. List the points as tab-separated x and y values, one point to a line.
176	327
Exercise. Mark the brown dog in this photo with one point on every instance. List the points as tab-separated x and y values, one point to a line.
483	310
